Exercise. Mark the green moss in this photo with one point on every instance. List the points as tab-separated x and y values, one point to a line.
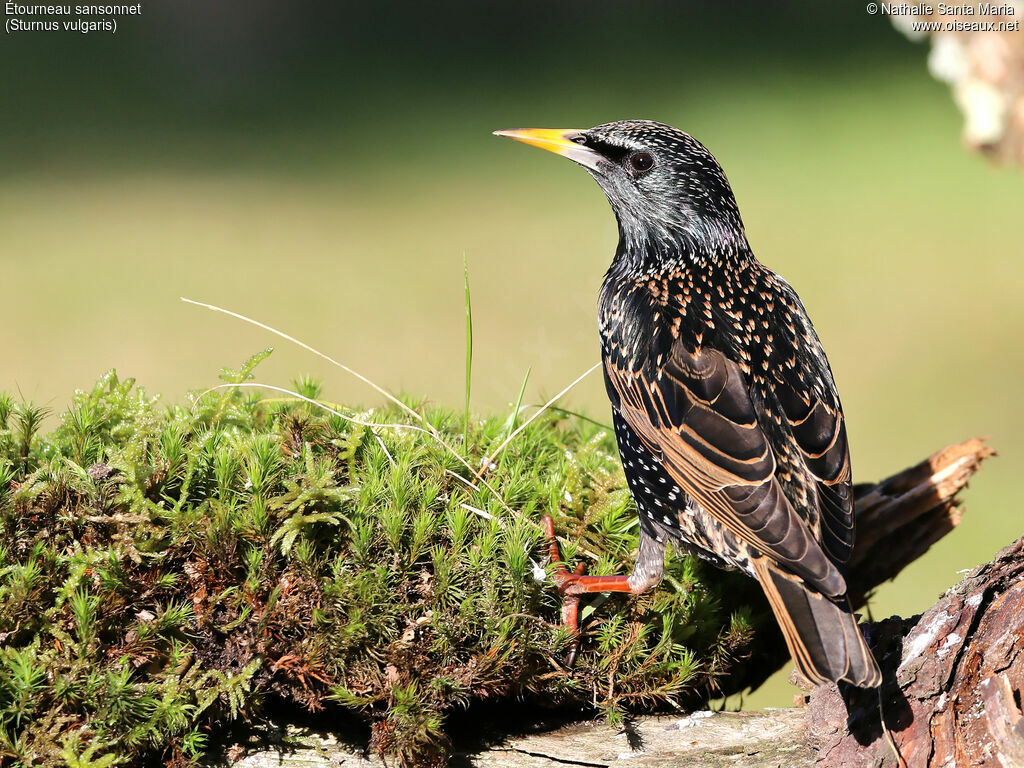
164	569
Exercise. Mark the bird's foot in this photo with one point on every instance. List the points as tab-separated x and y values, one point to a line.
572	584
563	578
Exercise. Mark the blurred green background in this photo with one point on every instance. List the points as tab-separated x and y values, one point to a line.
324	167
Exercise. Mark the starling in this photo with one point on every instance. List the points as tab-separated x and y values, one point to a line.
726	414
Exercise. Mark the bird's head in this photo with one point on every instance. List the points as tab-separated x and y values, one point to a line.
662	183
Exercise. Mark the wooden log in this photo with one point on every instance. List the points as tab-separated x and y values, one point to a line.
953	680
701	740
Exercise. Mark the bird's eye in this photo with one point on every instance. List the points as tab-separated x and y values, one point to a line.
641	161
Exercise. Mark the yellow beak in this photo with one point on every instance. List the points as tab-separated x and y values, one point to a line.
557	140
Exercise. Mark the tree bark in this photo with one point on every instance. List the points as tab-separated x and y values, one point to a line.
952	676
953	680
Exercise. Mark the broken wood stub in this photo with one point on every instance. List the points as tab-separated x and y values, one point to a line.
899	518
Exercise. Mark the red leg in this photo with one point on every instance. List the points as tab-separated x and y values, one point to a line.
572	585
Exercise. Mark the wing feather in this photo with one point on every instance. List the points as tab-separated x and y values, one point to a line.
819	434
694	411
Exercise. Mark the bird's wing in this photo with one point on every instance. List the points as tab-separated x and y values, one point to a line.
819	438
692	409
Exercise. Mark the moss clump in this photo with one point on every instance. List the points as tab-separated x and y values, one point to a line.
163	569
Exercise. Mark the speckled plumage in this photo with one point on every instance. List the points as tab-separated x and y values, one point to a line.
753	317
727	417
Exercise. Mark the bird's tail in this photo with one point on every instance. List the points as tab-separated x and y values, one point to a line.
822	633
